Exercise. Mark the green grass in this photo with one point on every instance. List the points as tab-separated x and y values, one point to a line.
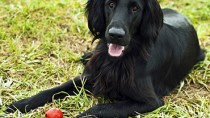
41	42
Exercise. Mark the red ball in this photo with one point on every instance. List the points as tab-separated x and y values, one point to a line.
54	113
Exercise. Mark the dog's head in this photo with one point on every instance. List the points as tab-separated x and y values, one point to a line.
120	21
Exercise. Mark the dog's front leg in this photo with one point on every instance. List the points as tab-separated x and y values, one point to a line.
141	99
118	110
59	92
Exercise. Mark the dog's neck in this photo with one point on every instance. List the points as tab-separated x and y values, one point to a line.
106	71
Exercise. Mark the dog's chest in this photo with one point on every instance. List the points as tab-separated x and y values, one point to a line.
113	79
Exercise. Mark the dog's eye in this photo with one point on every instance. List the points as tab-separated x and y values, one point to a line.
134	8
111	4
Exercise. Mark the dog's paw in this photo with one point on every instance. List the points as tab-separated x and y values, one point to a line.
86	116
19	105
93	112
10	109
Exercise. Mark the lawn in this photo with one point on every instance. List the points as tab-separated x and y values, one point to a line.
41	42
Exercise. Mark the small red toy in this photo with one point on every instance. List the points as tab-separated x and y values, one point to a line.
54	113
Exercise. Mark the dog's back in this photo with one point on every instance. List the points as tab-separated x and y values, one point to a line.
185	29
175	53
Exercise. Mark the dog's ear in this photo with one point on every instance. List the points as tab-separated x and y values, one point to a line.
96	18
152	20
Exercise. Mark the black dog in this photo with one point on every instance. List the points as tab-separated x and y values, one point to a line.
143	53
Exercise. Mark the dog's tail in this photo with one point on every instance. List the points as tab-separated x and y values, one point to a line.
201	56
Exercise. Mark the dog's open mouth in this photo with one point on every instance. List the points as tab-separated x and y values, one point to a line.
115	50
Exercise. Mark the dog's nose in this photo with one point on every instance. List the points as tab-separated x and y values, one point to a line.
116	33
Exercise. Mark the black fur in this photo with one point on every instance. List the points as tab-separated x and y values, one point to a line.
161	47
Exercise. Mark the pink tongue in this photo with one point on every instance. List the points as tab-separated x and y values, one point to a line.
115	50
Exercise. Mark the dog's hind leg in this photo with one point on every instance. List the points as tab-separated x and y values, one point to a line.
86	57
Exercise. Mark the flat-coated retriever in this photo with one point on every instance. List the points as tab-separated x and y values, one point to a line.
143	53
